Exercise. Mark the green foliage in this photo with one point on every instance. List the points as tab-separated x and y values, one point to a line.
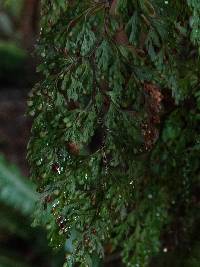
15	190
6	27
10	12
17	198
17	237
195	21
12	60
13	7
115	138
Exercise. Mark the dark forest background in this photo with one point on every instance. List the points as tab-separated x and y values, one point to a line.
20	244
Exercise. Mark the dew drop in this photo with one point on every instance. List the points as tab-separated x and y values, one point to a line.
56	168
165	250
150	196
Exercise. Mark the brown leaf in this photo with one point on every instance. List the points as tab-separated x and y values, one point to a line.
121	37
113	8
149	8
153	108
73	105
73	148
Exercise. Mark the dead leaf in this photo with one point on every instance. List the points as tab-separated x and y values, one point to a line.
113	8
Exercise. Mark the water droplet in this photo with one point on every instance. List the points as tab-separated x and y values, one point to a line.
39	162
65	230
56	168
150	196
165	250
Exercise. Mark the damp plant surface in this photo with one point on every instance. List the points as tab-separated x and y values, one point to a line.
116	134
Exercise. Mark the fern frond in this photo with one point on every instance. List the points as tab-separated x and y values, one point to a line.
15	190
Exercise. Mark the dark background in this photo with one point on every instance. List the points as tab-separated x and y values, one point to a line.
20	244
18	33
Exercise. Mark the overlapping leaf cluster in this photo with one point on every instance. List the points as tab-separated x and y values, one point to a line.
115	138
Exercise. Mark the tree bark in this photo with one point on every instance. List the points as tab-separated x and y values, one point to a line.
29	22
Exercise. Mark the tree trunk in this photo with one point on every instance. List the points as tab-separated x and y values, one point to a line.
30	21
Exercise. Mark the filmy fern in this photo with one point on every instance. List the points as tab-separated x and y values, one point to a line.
114	144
